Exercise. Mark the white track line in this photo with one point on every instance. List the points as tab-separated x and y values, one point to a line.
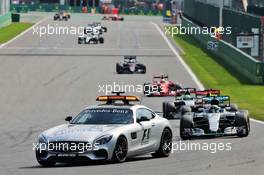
257	121
13	39
197	82
187	68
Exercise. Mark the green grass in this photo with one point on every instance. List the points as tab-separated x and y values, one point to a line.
213	75
12	30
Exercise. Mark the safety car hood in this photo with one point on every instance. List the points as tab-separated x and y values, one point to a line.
73	132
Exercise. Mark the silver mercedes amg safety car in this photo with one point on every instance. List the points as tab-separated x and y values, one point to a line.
113	131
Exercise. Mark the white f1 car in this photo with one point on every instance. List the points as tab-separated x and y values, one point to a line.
95	28
113	131
90	39
215	119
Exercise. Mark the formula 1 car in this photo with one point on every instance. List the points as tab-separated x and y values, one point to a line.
114	130
186	99
95	28
215	119
161	86
90	39
62	16
113	18
130	65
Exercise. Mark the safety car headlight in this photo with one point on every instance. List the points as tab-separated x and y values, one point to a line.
103	139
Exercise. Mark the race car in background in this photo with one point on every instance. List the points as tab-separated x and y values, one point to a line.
216	118
113	18
114	130
95	28
62	15
90	39
130	65
186	100
161	86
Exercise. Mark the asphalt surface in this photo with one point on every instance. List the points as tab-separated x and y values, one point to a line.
42	80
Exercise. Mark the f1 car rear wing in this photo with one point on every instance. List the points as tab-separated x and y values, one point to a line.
130	57
208	92
180	92
111	99
216	100
161	76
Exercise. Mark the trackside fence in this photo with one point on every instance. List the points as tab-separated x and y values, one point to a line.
245	65
56	7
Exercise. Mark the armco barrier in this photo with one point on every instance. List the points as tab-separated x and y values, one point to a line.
5	20
232	57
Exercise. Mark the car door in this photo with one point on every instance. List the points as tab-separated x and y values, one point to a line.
147	140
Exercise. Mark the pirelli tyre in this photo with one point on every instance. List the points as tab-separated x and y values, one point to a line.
233	107
46	163
147	89
243	124
101	40
104	29
186	124
185	109
165	144
80	40
144	69
167	109
119	69
120	151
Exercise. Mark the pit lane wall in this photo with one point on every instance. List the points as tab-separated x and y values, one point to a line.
5	20
233	59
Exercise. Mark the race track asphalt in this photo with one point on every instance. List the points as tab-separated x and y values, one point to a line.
42	80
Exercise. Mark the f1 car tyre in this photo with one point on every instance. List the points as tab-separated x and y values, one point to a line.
147	89
118	68
104	29
234	107
46	163
101	40
165	144
144	70
168	108
185	109
120	151
243	124
80	41
185	123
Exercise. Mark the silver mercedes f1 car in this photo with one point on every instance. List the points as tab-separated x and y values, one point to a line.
215	118
113	131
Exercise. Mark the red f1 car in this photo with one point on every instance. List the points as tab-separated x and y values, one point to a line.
113	18
161	86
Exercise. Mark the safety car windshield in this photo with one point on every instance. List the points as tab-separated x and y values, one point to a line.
104	116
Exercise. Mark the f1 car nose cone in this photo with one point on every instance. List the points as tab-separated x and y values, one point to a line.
213	120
